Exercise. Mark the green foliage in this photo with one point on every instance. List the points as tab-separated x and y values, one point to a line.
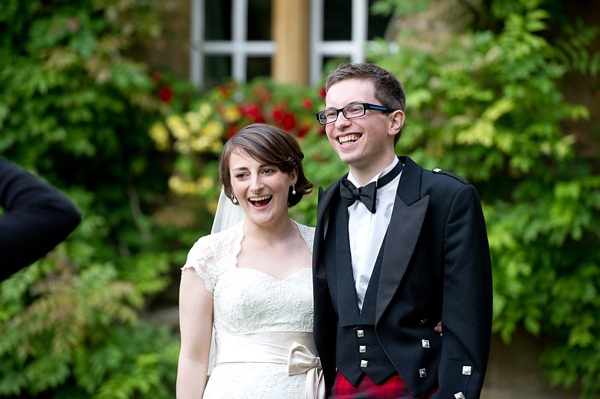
399	7
198	134
488	106
83	326
75	108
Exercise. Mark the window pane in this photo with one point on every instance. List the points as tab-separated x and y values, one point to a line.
217	20
259	20
217	70
258	66
337	23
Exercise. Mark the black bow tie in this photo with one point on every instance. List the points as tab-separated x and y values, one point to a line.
367	194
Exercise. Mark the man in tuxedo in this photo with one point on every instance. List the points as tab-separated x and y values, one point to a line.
397	248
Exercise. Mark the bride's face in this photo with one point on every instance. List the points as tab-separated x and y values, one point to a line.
261	189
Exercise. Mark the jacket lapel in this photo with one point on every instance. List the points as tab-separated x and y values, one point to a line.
323	205
403	233
325	199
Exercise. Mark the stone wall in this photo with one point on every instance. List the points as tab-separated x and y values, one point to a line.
513	371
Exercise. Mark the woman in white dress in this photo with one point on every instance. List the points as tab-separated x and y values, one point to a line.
252	282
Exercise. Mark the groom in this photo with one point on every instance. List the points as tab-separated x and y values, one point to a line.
397	248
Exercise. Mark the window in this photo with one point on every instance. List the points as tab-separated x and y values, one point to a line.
344	37
230	39
233	39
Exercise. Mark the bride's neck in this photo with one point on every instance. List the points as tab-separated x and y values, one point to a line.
275	232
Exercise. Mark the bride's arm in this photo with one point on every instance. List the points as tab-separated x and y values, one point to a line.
195	323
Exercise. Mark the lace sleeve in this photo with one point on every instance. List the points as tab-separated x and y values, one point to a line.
214	254
308	234
202	259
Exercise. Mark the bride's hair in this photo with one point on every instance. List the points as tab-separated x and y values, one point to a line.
271	145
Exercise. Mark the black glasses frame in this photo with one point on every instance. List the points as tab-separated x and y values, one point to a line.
323	119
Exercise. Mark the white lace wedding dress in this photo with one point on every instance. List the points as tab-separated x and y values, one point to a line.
253	313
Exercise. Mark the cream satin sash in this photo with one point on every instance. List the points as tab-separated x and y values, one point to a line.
294	348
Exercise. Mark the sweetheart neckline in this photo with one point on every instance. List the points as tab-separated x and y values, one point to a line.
273	277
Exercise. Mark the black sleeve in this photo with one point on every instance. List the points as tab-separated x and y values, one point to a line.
36	218
467	305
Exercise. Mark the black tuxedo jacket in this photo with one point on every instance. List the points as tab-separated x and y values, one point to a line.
436	266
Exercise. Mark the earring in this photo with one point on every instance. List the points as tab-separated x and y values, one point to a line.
294	189
234	200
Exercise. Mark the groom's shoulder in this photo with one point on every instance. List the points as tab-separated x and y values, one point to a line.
448	177
332	186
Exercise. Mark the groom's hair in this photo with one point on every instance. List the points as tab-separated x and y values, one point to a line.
388	89
271	145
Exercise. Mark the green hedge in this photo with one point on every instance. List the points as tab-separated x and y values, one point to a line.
75	108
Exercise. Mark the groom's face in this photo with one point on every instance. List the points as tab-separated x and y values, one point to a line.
359	142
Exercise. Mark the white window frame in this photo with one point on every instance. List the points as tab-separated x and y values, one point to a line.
355	48
239	48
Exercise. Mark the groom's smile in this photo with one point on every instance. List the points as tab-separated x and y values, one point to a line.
351	138
364	143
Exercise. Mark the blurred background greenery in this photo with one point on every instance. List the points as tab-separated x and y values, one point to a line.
136	148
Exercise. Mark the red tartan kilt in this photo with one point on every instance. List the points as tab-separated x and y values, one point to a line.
393	388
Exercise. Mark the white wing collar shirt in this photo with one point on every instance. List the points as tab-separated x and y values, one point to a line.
367	230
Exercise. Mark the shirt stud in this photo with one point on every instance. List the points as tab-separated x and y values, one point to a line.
425	343
467	370
422	373
436	170
362	349
364	363
360	333
459	395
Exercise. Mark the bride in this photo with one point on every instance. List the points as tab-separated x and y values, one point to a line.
252	282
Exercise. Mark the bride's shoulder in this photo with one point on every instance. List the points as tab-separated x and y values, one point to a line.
307	233
305	227
211	244
214	253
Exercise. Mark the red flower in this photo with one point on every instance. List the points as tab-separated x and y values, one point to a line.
253	112
278	114
304	127
165	93
307	104
303	131
231	130
289	122
322	92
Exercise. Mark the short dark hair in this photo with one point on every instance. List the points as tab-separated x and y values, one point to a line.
271	145
388	89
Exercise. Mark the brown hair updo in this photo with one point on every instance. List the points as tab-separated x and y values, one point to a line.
270	145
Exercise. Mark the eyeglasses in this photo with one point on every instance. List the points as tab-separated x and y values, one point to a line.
350	111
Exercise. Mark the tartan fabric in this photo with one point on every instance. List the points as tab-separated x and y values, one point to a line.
393	388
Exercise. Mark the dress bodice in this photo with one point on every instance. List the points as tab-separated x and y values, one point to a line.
247	300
